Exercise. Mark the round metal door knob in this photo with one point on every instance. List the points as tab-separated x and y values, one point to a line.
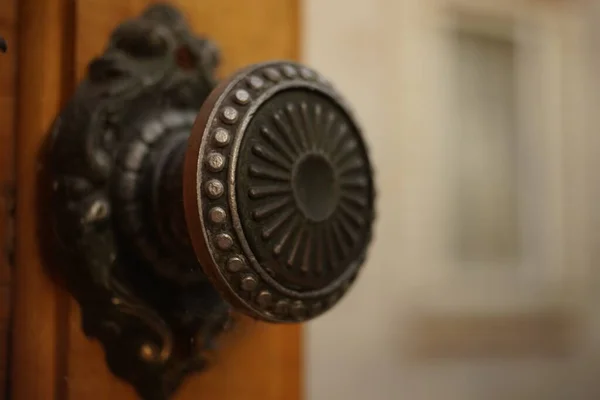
162	220
278	192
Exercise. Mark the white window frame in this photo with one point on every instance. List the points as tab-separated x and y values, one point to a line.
546	37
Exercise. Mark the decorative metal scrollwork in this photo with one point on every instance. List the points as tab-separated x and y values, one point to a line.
165	221
154	330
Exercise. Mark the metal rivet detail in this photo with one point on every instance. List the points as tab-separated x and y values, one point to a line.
255	82
242	97
235	264
307	73
289	71
224	241
272	74
214	189
221	137
97	211
215	162
249	283
217	215
229	115
298	309
264	299
282	307
148	352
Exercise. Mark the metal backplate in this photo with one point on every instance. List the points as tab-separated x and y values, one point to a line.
144	90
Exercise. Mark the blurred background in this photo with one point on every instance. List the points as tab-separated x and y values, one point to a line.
482	119
482	282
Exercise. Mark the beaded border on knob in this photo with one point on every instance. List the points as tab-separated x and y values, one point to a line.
261	295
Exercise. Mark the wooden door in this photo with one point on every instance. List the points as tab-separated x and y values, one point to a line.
8	19
51	358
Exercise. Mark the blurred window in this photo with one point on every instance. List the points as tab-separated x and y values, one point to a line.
485	223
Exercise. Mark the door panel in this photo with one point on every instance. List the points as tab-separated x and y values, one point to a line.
36	344
53	356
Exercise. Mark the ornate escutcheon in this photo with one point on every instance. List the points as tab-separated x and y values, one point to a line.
175	199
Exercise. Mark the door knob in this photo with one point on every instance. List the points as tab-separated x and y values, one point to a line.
176	198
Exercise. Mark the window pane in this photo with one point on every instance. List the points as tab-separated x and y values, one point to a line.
486	203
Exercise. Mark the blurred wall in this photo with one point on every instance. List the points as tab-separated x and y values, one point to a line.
520	327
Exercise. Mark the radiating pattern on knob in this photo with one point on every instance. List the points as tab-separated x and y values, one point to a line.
307	187
282	204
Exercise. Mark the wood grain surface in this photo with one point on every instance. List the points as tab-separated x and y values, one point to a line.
8	63
53	360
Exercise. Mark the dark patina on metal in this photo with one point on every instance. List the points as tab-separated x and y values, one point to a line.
165	218
149	305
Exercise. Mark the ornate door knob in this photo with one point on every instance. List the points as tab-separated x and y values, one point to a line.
261	202
277	192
